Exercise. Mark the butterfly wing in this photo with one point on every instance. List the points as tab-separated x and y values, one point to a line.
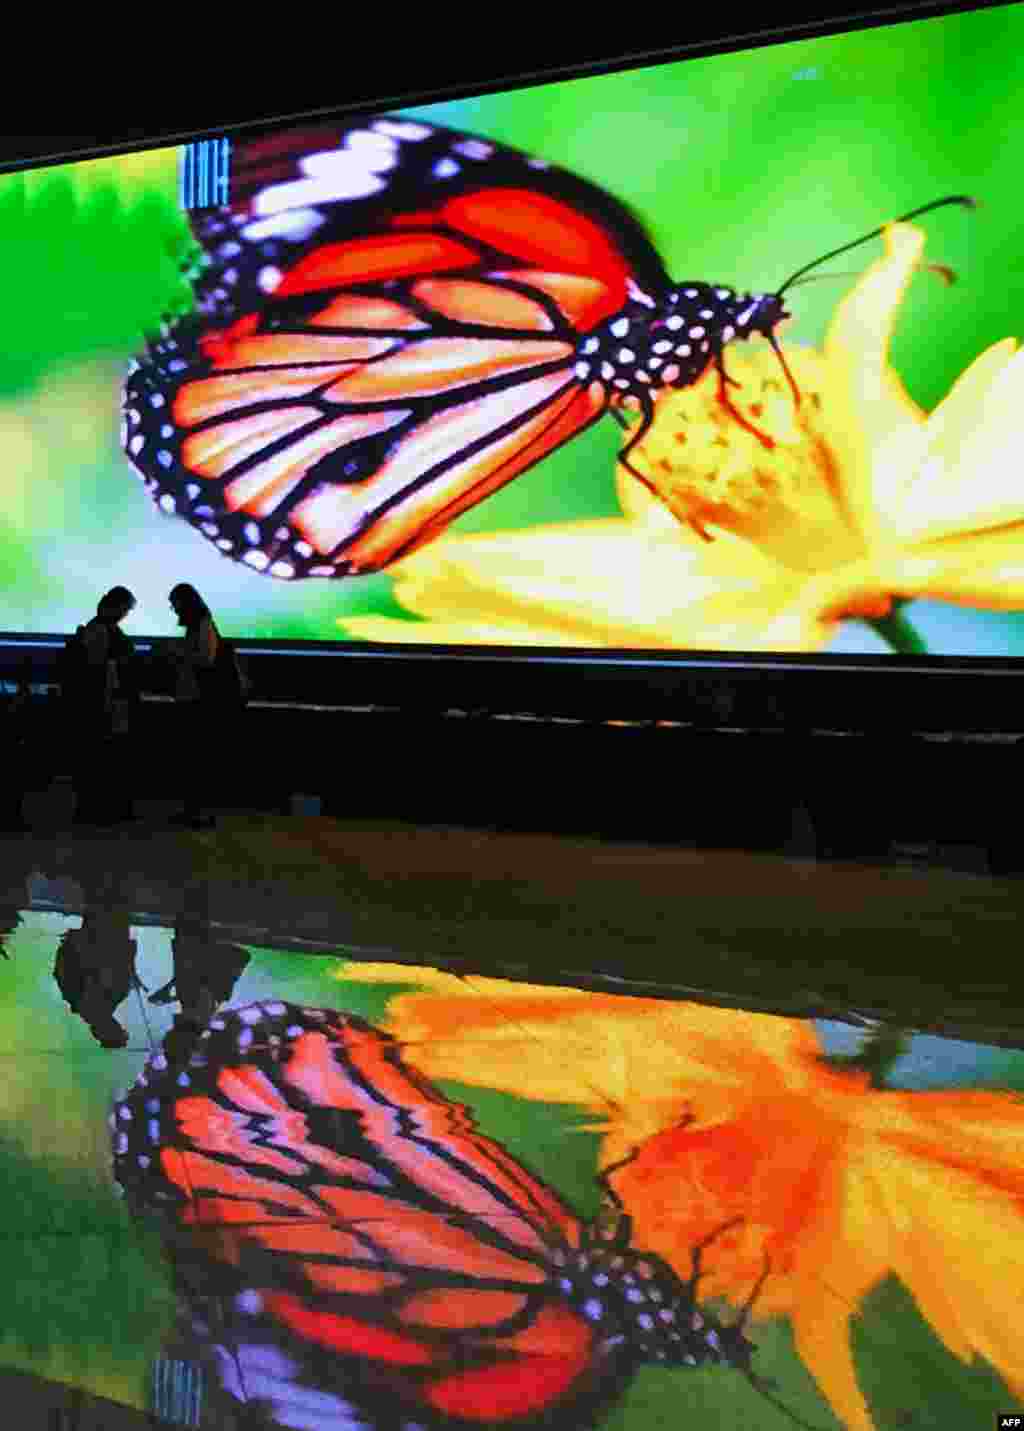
376	1249
385	333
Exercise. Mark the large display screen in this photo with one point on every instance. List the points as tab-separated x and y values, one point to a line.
556	367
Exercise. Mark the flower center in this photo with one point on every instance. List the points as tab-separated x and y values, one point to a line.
710	472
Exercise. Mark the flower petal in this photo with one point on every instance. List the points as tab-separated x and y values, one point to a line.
879	438
841	1256
605	1052
984	570
640	505
950	1174
601	583
968	478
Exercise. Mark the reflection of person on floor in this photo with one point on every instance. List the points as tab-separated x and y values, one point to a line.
205	973
95	971
100	693
18	863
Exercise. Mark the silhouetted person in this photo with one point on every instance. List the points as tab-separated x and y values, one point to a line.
14	729
102	687
203	696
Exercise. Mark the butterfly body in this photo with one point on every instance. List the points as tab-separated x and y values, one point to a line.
393	320
670	342
383	1262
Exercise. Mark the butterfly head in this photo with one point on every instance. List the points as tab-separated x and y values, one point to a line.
758	313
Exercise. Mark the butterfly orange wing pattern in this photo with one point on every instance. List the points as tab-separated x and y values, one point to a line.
382	1261
386	332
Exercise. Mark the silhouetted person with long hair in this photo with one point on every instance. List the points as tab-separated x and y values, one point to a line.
103	686
202	706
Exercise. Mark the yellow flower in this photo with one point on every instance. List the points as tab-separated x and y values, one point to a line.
863	498
732	1114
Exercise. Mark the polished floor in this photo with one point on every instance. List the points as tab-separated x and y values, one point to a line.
319	1124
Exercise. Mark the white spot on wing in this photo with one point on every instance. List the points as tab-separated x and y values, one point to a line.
402	129
354	175
297	224
375	150
473	149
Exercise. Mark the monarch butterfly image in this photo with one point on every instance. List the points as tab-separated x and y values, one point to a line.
383	1263
393	320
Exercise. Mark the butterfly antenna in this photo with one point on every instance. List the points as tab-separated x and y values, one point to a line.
964	200
948	275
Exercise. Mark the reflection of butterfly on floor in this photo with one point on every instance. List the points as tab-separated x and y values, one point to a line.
354	1253
392	321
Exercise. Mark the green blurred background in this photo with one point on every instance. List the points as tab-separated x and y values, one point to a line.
744	167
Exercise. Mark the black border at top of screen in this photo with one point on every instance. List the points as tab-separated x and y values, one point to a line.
681	659
910	11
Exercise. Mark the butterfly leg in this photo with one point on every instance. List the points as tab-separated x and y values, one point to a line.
748	1305
647	409
697	1253
723	398
648	418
